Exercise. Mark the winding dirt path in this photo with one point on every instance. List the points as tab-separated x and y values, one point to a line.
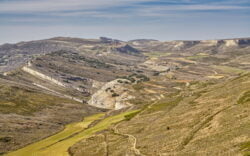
132	139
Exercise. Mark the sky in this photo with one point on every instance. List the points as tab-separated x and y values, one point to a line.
24	20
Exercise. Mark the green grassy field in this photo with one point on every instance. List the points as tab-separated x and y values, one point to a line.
246	148
228	69
58	144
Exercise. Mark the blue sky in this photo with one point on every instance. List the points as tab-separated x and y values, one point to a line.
23	20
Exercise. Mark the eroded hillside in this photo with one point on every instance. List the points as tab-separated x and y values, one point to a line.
157	98
203	119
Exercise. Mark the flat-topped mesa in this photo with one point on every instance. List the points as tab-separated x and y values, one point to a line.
210	42
237	42
230	43
226	43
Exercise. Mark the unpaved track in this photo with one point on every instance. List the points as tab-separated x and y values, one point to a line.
132	140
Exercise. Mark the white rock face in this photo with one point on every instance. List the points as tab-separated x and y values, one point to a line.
136	43
230	43
97	84
179	45
210	42
152	64
113	95
42	76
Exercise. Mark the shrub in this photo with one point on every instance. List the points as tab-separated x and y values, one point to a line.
115	95
66	81
120	81
108	89
156	74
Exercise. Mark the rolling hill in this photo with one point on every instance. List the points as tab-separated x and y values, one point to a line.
104	96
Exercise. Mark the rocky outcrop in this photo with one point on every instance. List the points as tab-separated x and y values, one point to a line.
127	49
152	64
230	43
42	76
113	95
237	42
210	42
192	46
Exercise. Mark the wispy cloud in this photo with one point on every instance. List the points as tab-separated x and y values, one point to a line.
183	9
25	6
97	14
91	7
200	7
83	15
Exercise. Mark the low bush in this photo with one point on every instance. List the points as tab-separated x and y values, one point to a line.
115	95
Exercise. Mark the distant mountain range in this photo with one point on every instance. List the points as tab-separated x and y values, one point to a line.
13	55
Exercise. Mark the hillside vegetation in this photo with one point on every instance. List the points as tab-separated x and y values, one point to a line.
24	101
201	120
72	96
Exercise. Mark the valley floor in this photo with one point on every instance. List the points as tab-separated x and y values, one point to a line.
58	144
202	119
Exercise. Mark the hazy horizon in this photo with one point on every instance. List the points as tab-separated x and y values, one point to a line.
25	20
122	40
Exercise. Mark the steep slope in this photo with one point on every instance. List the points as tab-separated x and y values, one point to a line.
200	120
78	71
14	55
28	114
185	94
